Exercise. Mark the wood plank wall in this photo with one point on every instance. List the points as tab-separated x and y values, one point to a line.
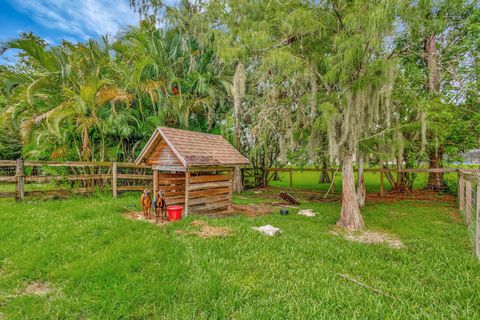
173	184
162	155
209	193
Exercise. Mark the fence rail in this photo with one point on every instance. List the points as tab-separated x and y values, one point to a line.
48	179
72	177
67	178
264	177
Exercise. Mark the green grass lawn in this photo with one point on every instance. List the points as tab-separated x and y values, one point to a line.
308	180
11	187
99	265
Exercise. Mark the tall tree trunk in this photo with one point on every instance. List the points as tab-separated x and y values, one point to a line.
350	216
276	176
361	191
430	48
282	144
388	175
324	177
435	179
237	180
400	183
238	94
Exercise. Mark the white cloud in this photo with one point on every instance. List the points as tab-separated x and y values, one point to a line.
82	18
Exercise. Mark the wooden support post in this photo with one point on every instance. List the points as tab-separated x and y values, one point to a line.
461	191
291	180
382	190
155	183
468	202
458	188
477	231
114	180
187	185
20	173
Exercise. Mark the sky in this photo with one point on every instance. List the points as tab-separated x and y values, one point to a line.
54	20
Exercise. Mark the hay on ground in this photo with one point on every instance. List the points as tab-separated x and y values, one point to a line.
370	236
252	210
136	215
204	230
38	288
375	237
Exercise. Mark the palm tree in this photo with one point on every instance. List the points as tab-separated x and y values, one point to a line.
99	100
56	98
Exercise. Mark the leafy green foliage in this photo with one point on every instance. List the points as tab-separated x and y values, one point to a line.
98	101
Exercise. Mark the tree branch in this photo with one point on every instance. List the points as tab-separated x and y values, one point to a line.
337	13
288	41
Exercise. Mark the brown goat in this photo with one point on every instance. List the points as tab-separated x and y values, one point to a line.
160	205
146	202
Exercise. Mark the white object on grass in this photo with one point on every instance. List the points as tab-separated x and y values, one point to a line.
307	213
268	230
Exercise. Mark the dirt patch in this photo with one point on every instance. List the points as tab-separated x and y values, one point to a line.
252	210
255	210
322	198
417	195
388	197
38	288
136	215
204	230
370	236
284	205
456	216
375	237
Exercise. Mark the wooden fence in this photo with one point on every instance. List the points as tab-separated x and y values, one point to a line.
21	179
24	178
258	177
469	202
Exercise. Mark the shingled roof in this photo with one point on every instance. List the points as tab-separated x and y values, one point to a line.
195	148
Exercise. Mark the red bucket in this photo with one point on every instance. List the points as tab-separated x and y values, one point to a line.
174	213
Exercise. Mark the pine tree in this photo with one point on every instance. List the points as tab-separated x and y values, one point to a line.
358	68
434	31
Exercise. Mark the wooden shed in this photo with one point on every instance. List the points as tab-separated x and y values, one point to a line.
194	169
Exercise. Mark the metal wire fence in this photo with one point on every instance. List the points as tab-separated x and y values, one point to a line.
469	203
